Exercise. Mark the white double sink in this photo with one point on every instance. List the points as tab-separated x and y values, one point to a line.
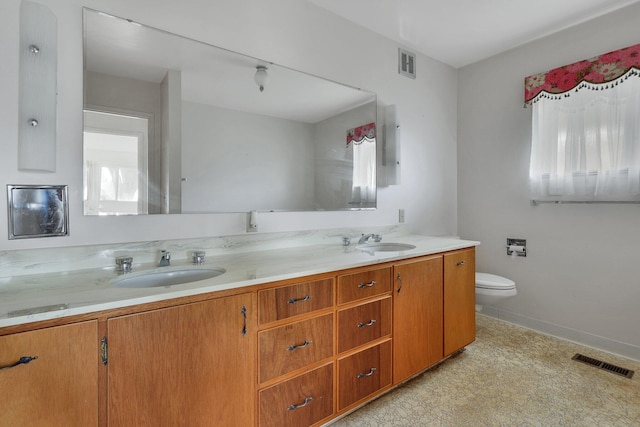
169	276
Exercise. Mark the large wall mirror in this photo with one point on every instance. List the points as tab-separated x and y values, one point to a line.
173	125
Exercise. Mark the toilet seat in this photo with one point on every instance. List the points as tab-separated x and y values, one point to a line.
491	281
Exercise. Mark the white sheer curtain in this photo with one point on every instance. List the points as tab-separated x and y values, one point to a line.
586	146
364	176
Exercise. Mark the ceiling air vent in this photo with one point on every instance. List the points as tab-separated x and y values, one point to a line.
406	63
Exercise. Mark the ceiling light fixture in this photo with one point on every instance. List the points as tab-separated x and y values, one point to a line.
261	78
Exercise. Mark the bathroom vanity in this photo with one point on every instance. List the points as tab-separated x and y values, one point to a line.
279	349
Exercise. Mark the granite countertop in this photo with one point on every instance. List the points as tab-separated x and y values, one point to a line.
31	298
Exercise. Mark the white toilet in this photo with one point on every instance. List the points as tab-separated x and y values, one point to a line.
491	289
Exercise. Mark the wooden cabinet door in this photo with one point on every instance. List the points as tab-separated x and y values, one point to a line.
459	300
190	365
417	316
60	387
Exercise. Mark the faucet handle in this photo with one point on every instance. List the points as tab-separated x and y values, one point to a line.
346	241
197	257
124	264
166	255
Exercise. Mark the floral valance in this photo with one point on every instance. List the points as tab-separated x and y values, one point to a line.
610	68
359	134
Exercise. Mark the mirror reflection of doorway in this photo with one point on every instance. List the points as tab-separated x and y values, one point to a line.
115	163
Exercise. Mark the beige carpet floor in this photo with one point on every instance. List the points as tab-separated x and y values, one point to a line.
511	376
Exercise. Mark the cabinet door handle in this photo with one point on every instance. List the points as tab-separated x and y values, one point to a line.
367	285
368	374
104	351
244	326
294	301
307	343
371	322
307	400
400	279
459	263
22	361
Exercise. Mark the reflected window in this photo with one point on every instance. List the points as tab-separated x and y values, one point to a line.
115	170
362	141
364	177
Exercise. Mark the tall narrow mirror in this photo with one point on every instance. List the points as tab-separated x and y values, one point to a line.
173	125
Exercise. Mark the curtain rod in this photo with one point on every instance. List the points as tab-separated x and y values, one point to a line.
585	202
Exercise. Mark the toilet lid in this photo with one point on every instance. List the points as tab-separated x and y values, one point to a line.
491	281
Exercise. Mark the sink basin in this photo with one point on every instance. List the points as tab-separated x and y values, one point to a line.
158	278
385	247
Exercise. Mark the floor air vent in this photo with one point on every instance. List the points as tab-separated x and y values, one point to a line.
603	365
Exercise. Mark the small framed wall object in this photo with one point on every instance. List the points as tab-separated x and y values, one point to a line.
37	211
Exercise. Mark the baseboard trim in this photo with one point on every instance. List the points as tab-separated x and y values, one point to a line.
579	337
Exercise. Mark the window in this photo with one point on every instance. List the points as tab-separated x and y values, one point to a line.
586	129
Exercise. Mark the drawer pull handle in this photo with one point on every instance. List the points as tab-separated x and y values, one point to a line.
301	405
22	361
307	343
400	280
371	322
368	374
458	264
367	285
293	301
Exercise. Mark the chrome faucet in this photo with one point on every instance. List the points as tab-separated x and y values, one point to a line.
165	260
365	238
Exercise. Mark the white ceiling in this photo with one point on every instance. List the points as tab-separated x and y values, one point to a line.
461	32
211	75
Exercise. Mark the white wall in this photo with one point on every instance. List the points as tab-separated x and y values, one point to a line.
293	33
580	278
275	158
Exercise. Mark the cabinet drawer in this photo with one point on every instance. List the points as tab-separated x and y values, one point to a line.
300	401
289	347
363	374
352	287
287	301
363	323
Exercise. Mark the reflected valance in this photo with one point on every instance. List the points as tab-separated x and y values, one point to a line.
359	134
610	68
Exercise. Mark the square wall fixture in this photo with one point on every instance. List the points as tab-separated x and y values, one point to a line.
37	211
